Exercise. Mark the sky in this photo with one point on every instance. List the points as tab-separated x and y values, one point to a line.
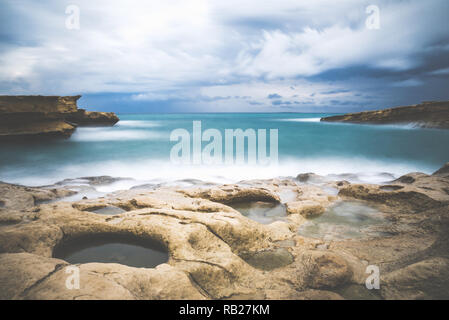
227	56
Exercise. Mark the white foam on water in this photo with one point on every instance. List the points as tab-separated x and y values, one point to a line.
160	171
303	120
106	134
138	124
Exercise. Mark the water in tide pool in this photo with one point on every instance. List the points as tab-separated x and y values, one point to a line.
139	147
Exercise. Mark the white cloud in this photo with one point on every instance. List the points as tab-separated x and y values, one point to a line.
403	35
187	49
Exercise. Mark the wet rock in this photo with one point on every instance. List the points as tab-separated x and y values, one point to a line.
309	177
406	179
16	197
217	253
233	194
425	192
102	180
391	188
262	212
10	218
146	186
127	250
83	117
358	292
27	276
39	130
443	171
21	271
109	210
268	259
306	208
285	243
342	183
318	295
346	220
312	201
325	269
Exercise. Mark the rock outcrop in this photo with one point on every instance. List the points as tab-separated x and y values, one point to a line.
443	172
427	114
25	117
41	130
83	117
215	252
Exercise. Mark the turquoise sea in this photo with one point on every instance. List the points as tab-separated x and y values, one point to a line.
138	147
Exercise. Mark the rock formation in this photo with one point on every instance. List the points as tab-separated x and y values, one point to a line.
24	117
217	253
83	117
426	114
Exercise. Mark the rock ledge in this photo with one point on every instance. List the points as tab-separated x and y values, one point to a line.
25	117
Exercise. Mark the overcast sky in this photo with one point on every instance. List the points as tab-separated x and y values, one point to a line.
233	55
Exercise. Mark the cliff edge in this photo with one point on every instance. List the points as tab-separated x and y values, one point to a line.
24	117
427	114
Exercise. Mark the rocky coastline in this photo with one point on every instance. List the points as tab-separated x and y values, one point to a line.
427	114
216	252
40	117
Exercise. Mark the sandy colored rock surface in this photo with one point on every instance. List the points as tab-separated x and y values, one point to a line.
83	117
49	105
214	252
427	279
42	129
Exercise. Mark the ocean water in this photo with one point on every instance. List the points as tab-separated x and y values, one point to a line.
138	147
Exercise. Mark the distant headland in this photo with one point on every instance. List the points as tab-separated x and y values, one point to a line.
431	114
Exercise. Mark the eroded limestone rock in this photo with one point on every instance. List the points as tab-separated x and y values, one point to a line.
40	117
217	253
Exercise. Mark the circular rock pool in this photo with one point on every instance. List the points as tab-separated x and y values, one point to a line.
110	249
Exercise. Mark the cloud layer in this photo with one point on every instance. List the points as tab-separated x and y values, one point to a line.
227	55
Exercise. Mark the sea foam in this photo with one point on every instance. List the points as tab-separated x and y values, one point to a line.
163	172
105	134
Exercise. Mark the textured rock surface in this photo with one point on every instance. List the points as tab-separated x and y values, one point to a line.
443	172
83	117
427	279
45	106
217	253
413	192
40	129
24	117
427	114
